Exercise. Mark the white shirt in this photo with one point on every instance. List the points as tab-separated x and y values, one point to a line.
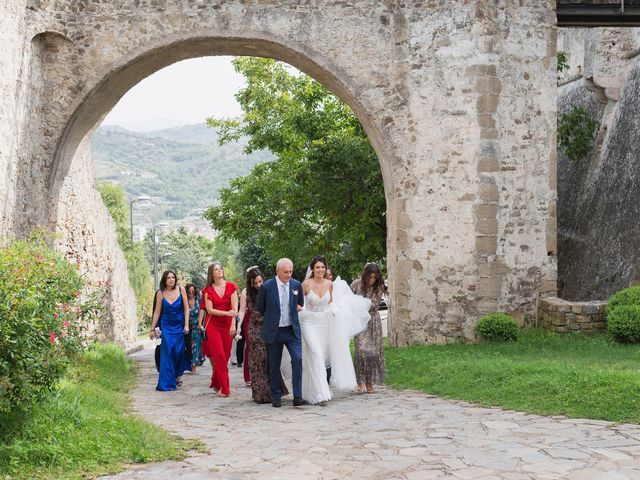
285	313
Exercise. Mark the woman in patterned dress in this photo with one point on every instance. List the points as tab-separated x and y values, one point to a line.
195	319
258	364
369	362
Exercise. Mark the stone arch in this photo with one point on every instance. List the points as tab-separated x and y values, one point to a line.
458	104
73	148
138	65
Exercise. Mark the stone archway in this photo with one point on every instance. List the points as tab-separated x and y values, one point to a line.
458	101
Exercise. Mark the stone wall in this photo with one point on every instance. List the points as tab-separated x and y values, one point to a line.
87	232
598	197
14	67
563	316
84	228
458	99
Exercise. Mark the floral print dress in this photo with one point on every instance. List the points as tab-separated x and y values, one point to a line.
258	360
197	357
369	363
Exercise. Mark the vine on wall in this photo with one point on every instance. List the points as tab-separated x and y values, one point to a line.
576	133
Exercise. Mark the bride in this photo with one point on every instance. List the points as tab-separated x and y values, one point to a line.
331	315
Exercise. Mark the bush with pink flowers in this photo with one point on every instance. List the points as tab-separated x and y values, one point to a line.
41	319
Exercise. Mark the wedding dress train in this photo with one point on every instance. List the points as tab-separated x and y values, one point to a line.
326	331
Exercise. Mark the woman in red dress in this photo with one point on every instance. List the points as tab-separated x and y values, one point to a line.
221	303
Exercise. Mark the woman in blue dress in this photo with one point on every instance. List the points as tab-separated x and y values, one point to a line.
173	315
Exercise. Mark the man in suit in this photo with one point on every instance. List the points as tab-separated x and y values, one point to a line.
279	301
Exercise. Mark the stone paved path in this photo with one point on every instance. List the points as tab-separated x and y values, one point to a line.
387	435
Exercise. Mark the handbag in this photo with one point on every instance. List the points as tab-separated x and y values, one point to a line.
204	329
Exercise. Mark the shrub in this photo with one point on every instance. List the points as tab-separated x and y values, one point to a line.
623	322
42	319
561	64
497	327
628	296
576	133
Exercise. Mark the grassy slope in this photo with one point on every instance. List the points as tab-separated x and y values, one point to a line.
85	430
573	375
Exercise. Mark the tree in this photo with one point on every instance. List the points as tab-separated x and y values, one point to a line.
191	254
323	193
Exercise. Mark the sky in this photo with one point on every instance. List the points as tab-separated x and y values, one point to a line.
184	93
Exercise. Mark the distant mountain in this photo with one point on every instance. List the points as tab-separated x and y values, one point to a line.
182	168
148	125
197	134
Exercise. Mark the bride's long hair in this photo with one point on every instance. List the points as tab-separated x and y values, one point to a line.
314	260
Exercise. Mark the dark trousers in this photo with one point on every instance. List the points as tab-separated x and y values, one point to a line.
241	344
285	337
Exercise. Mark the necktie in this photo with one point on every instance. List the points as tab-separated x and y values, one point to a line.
284	305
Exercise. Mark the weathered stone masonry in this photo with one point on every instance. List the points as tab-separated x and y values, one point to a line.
598	196
457	97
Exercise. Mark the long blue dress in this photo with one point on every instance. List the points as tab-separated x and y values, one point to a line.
173	361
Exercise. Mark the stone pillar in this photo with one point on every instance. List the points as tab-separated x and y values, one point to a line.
473	215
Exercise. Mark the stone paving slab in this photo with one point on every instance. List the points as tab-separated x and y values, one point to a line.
387	435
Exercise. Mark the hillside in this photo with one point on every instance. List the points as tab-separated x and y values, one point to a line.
182	168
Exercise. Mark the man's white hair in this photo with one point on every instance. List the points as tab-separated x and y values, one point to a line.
282	262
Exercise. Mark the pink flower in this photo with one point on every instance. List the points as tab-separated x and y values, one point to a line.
52	337
78	293
65	324
99	283
40	258
107	284
79	311
55	315
78	261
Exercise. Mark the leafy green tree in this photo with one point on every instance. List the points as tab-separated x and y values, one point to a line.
323	194
191	254
138	267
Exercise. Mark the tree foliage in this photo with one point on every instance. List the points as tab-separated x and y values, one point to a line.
561	65
323	194
190	255
576	133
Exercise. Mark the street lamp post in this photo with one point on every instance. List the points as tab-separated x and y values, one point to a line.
162	258
155	252
142	198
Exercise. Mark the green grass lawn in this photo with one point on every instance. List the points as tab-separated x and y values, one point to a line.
85	430
586	376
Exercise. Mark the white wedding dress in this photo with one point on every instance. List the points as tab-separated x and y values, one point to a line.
326	330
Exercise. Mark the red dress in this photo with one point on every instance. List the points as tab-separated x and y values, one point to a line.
218	343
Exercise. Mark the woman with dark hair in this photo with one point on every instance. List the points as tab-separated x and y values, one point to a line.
172	311
328	273
369	363
327	322
257	349
221	303
195	319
